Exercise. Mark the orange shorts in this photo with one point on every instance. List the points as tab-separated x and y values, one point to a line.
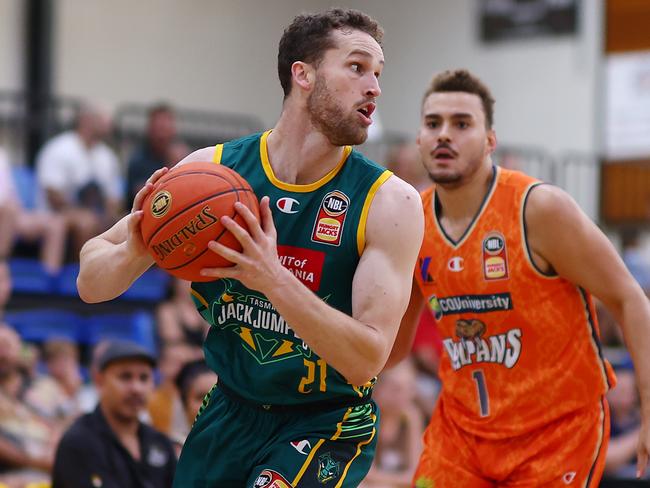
567	452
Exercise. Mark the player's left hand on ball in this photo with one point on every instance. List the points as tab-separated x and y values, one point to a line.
257	266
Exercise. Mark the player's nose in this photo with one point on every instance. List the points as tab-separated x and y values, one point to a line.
373	90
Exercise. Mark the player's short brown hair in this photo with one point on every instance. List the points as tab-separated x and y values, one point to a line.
461	80
308	37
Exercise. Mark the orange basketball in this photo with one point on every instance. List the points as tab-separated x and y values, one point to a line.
183	213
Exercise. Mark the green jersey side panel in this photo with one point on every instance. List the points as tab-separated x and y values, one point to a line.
321	229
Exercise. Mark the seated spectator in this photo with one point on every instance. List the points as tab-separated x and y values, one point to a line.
5	288
623	399
177	319
27	441
55	394
111	447
400	429
30	226
155	151
194	382
165	407
80	176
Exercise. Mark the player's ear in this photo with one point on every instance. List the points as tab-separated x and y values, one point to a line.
491	141
303	74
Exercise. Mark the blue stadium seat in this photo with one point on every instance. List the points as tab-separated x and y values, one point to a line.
43	324
66	282
150	287
29	276
137	327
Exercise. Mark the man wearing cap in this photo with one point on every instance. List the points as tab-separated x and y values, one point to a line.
110	447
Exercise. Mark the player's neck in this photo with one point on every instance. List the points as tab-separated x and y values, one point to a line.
298	153
462	202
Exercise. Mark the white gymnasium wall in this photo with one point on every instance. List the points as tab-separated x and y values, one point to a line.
221	54
204	54
11	44
546	89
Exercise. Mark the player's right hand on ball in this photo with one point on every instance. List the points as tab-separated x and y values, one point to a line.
134	239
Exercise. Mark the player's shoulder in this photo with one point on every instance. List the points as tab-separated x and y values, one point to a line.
213	153
397	199
548	203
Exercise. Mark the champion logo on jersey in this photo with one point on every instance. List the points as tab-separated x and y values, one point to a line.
495	257
287	205
303	447
455	264
569	477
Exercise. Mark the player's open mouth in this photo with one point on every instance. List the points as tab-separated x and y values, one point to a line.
366	111
444	153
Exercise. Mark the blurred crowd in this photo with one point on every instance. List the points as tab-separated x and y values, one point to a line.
58	390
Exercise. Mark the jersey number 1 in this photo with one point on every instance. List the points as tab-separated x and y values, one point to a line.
483	399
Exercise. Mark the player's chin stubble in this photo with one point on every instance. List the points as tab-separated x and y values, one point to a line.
329	118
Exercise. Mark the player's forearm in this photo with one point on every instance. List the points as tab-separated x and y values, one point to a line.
107	270
356	350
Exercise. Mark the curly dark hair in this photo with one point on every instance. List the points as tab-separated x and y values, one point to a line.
461	80
308	37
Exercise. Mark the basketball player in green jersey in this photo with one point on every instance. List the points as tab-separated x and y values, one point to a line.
305	319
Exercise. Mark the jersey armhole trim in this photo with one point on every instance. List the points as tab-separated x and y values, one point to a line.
361	229
524	234
199	298
218	151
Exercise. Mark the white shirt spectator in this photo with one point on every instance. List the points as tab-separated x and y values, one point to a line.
7	189
65	164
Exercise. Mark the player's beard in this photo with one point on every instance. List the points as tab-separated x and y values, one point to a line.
329	117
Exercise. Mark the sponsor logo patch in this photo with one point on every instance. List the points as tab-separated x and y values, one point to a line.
328	227
472	303
434	305
424	264
495	257
161	203
271	479
288	205
305	264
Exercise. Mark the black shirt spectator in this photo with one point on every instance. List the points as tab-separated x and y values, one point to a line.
90	455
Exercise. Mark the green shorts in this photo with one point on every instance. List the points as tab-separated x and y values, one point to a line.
233	444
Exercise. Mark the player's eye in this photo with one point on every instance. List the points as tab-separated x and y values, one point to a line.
356	67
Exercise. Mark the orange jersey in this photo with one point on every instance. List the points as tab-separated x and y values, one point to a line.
520	348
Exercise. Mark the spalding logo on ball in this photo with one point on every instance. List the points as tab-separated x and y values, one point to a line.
183	214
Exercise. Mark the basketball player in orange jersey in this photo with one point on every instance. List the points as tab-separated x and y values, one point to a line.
507	266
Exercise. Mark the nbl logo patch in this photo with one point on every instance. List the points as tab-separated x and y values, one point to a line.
271	479
328	228
495	257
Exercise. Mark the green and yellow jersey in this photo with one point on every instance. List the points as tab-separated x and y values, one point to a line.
321	235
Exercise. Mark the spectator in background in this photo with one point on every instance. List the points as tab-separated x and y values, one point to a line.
55	395
194	381
620	462
400	428
18	222
165	407
110	447
5	287
80	176
404	160
634	258
177	319
27	441
156	151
